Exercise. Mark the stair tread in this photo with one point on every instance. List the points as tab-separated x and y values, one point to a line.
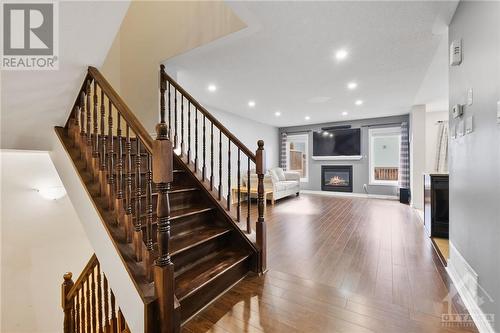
206	271
173	190
183	212
189	239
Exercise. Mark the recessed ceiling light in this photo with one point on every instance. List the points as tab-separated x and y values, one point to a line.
251	104
345	113
325	133
359	102
212	87
277	113
341	54
307	117
331	135
352	85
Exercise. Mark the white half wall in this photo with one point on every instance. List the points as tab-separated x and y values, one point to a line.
417	155
127	296
40	240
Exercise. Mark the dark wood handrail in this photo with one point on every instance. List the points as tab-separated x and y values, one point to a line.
210	117
91	264
123	109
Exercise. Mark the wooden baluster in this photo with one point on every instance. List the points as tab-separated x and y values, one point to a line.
249	199
175	119
88	326
119	207
196	140
260	167
169	113
189	133
164	267
73	130
149	219
79	309
105	288
138	203
95	137
211	156
182	125
229	174
103	152
93	300
120	322
88	150
128	190
67	304
82	123
111	159
204	148
220	165
113	322
99	325
238	208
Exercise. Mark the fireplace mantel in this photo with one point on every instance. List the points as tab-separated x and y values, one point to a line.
337	158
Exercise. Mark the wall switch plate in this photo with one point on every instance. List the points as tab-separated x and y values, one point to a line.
470	97
457	110
456	52
460	128
498	112
469	125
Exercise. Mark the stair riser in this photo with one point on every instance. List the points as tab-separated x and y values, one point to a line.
187	223
199	299
183	259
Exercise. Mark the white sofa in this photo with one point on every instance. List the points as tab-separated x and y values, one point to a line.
281	183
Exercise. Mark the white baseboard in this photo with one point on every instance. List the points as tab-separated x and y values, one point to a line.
348	194
466	282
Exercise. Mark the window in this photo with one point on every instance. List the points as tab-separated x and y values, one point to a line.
384	155
296	155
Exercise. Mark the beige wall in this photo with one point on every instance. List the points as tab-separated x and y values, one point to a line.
41	239
154	31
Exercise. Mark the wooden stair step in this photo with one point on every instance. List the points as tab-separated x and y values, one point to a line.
205	271
180	213
194	237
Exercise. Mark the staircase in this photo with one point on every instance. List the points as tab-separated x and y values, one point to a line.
165	202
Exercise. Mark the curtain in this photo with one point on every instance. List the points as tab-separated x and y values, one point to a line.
283	140
442	148
404	158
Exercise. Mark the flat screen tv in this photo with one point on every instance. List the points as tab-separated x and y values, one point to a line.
337	142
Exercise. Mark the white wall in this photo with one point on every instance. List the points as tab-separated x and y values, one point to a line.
417	155
41	239
431	137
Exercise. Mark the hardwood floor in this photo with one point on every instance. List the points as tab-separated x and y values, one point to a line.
339	264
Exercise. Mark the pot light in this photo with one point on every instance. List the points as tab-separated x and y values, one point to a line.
352	85
325	133
341	54
307	117
345	113
331	135
359	102
251	104
52	193
277	113
212	87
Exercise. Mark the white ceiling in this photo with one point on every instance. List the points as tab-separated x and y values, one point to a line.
285	62
33	102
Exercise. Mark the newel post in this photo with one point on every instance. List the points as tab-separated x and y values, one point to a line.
260	169
163	272
67	305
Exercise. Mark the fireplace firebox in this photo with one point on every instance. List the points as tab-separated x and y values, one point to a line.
336	178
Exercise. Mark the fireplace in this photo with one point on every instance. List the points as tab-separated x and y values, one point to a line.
336	178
